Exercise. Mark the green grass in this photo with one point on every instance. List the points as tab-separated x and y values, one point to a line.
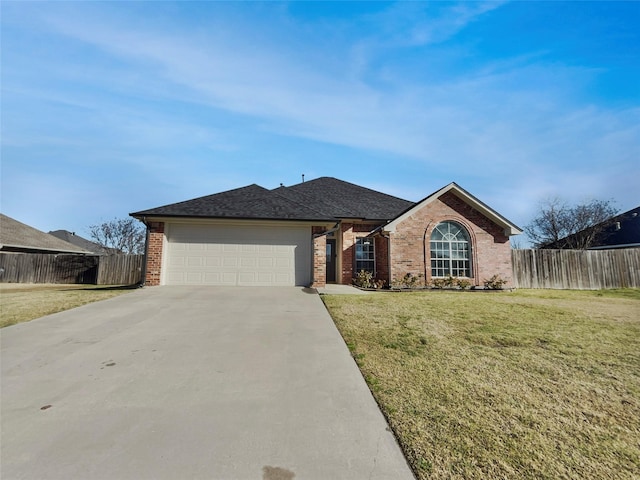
531	384
24	302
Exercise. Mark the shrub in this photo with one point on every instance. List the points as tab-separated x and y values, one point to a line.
365	279
451	282
409	281
495	283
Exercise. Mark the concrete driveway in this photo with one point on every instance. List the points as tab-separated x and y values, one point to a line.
190	382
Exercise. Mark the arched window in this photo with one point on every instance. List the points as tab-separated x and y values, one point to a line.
450	251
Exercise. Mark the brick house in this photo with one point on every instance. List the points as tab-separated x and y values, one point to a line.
324	231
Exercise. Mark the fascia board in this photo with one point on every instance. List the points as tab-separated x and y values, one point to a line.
509	228
392	225
45	249
240	221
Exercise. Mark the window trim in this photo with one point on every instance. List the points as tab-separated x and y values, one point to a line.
356	246
451	258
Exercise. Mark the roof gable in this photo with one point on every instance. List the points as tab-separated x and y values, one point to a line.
509	227
17	236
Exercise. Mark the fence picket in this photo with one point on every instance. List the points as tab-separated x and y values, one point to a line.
576	269
87	269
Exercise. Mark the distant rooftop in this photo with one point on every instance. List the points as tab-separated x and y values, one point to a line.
83	243
16	236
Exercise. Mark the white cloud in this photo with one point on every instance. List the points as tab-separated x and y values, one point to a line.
514	123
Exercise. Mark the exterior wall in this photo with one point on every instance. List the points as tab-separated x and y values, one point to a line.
154	253
382	259
490	249
348	234
319	258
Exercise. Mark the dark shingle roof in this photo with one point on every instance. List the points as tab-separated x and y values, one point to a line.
620	231
324	199
625	230
342	199
83	243
17	236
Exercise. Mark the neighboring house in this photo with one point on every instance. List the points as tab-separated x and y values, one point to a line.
83	243
621	231
324	230
20	238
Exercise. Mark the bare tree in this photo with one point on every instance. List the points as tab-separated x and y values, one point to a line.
124	235
559	225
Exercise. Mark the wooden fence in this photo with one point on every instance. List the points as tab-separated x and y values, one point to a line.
576	269
60	268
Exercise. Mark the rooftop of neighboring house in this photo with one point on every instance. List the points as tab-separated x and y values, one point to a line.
623	232
83	243
16	236
620	231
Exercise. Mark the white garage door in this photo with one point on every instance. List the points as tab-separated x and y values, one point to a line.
237	255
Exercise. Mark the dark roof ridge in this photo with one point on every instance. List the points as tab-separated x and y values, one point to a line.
325	198
252	186
345	199
352	185
276	191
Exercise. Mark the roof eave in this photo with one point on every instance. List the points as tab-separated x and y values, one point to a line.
158	216
44	249
508	227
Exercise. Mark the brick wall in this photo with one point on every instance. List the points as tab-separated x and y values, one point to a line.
491	252
382	258
154	253
319	257
349	232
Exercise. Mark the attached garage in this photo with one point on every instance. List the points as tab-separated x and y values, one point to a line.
236	254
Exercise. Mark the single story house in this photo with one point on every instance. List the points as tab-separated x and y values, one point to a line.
17	237
324	231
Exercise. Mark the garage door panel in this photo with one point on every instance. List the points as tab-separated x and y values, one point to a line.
176	261
194	278
265	262
195	261
230	262
248	262
238	255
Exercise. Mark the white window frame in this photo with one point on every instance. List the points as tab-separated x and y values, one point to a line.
370	252
451	254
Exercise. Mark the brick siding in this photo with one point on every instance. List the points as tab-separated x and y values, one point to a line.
490	249
319	257
349	232
154	253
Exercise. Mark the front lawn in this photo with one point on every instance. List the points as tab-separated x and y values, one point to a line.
530	384
24	302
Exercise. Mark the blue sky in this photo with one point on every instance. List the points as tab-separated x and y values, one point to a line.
110	108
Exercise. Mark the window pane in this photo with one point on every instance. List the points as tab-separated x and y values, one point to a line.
364	255
450	251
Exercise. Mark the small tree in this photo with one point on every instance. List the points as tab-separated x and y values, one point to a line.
559	225
124	235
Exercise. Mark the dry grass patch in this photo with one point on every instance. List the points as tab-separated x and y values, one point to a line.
24	302
529	384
